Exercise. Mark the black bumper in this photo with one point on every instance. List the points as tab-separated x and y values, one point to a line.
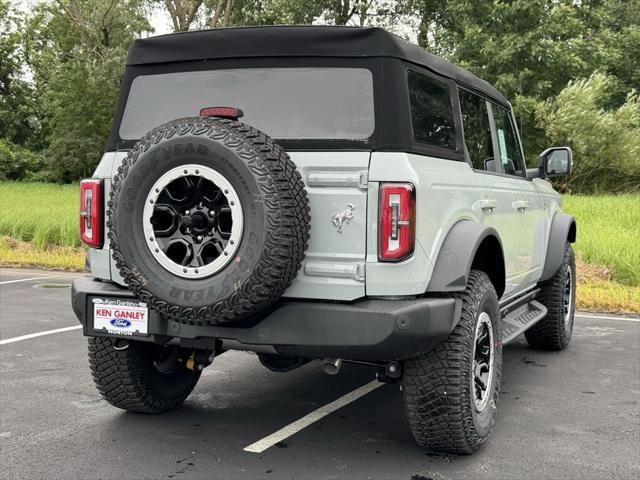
370	329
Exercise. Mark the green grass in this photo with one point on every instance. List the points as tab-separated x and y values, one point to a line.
44	214
609	233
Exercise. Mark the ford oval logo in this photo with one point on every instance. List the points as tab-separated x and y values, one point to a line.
120	323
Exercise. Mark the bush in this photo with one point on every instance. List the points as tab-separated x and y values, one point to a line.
17	163
605	143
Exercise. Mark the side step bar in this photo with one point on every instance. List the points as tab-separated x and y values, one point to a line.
517	319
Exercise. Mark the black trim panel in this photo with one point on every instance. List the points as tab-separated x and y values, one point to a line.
563	231
456	256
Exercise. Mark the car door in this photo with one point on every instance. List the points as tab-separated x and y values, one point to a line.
494	196
526	209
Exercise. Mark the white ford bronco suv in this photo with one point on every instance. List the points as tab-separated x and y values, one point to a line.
327	193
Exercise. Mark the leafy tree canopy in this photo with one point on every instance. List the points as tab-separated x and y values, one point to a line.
61	65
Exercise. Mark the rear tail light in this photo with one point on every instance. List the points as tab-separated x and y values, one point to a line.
91	212
397	221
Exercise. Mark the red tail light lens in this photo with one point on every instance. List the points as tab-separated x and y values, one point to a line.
397	221
91	212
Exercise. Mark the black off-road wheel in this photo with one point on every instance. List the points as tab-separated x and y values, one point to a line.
558	294
451	392
127	376
208	220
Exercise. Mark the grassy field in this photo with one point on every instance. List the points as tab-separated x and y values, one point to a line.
43	214
609	233
39	227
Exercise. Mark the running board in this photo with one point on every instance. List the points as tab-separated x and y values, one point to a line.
520	319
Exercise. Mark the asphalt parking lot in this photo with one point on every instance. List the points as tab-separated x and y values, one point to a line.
573	414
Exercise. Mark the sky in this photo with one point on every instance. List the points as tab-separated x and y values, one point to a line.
161	22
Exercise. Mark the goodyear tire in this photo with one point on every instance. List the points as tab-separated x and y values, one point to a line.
558	294
126	376
451	393
208	220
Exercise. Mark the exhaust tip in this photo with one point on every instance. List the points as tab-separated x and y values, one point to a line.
331	366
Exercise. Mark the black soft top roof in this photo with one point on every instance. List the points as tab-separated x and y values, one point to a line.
297	41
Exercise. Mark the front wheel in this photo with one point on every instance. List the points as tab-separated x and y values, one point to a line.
451	392
558	294
127	375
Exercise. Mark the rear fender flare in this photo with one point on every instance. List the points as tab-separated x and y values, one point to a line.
459	254
562	231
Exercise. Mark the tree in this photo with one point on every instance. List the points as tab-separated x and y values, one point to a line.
605	142
18	109
183	13
76	50
530	49
299	12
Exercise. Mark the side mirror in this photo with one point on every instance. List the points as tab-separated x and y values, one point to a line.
553	162
556	161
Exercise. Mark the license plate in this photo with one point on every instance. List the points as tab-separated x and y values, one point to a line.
119	316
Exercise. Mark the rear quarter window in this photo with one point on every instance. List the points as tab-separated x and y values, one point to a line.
431	111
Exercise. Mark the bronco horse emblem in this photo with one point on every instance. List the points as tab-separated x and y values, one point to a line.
343	217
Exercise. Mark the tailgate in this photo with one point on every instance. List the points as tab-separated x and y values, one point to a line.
334	267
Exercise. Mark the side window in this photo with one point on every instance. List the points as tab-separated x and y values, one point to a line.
431	111
477	130
510	153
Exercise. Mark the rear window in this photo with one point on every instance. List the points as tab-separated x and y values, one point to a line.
431	111
285	103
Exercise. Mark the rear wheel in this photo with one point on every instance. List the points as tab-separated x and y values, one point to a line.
128	374
451	392
558	294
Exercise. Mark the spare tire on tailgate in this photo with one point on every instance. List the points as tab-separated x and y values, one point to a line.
208	220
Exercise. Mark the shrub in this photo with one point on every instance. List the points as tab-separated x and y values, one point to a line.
605	143
17	163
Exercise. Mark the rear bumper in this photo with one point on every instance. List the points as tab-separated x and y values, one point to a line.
370	329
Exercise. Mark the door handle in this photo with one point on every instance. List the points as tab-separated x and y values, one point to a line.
487	204
520	205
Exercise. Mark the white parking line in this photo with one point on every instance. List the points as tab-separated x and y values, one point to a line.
39	334
604	317
22	280
293	428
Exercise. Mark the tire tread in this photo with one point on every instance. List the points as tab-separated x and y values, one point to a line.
437	397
